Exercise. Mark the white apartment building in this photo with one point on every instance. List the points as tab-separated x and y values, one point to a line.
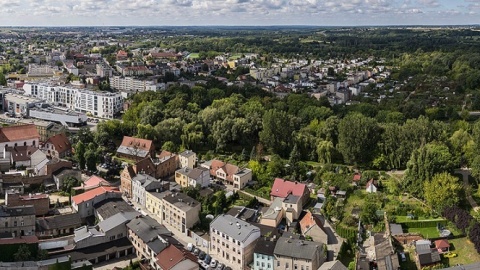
131	84
100	104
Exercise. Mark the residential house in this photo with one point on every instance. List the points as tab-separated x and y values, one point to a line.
385	255
426	255
187	177
110	229
180	211
187	159
60	175
263	258
21	135
122	55
17	220
39	201
282	188
54	226
111	207
141	183
175	258
293	206
333	265
229	173
148	237
244	213
292	253
311	226
58	146
165	164
233	241
95	181
83	203
135	148
357	177
371	186
154	203
273	214
27	157
396	231
126	176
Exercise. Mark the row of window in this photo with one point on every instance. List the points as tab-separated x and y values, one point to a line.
295	266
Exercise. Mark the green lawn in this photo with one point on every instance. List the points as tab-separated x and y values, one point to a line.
194	55
401	219
429	232
465	250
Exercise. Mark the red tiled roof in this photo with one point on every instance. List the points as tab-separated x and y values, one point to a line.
163	55
442	243
357	177
28	239
18	133
60	142
141	144
96	181
171	256
215	165
89	195
282	188
308	221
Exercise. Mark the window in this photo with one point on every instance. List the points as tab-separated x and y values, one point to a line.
238	261
303	267
258	264
15	223
233	258
295	266
286	265
278	263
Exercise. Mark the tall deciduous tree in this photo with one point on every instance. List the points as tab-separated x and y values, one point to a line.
357	138
80	154
442	191
276	135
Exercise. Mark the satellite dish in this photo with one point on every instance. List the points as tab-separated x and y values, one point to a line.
210	216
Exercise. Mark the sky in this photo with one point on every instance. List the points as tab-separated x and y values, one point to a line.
237	12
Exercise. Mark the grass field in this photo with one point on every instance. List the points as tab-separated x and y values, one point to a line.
465	250
429	232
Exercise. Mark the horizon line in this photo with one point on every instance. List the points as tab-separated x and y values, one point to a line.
226	25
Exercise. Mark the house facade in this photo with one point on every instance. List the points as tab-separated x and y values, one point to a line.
180	211
233	241
229	173
58	146
135	148
291	253
263	258
83	203
17	220
39	201
187	159
141	183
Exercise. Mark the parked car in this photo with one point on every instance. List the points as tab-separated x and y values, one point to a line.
190	247
449	254
220	266
213	263
207	259
202	255
196	251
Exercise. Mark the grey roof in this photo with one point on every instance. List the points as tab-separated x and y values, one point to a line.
116	220
243	213
184	171
16	211
181	201
264	247
160	195
234	227
333	265
132	151
111	207
296	248
147	228
291	199
396	229
243	171
274	210
158	244
58	221
187	153
197	172
143	178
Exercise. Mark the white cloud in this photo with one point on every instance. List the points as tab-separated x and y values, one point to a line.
234	12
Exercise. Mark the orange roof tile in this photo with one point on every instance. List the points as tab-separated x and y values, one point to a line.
18	133
60	142
89	195
96	181
282	188
137	142
308	221
171	256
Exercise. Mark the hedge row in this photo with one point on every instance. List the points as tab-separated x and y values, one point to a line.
347	233
423	223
